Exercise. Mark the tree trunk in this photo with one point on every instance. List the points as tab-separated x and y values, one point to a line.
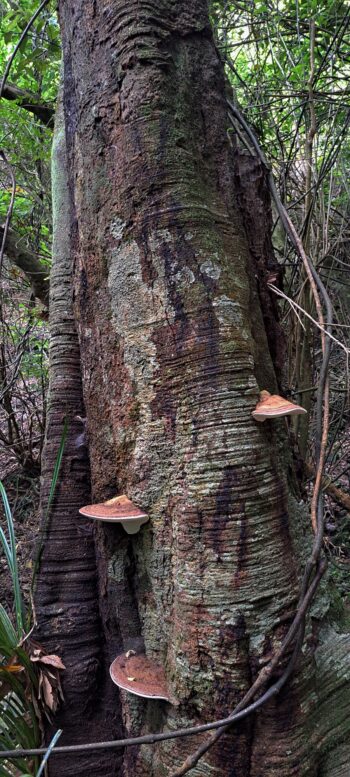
66	591
172	355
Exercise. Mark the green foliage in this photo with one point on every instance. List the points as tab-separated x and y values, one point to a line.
18	721
9	547
26	142
39	51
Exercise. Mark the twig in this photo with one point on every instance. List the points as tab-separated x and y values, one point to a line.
294	304
337	494
2	85
317	490
309	200
286	221
10	208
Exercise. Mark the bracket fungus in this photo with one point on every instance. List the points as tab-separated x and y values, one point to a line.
120	509
274	406
139	675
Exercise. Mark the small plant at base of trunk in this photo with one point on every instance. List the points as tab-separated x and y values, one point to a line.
29	679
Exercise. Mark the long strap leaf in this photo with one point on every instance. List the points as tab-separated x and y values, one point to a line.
7	549
11	546
48	752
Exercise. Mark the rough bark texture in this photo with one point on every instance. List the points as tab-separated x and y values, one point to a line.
66	592
263	268
163	287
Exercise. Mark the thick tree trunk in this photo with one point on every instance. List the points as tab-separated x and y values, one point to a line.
171	358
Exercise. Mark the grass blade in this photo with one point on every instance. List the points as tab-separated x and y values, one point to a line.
7	549
48	752
13	565
8	636
8	516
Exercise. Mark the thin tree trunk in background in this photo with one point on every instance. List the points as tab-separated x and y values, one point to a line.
172	355
263	268
66	592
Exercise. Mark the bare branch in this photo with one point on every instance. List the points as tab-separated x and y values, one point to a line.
339	496
30	102
27	261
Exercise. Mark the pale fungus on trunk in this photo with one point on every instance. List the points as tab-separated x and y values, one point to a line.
120	509
139	675
274	406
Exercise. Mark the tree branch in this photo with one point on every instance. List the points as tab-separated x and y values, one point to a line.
30	102
334	492
27	261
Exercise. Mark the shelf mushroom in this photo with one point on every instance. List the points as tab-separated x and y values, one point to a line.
273	406
139	675
120	509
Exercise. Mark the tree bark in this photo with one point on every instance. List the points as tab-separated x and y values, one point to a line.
172	361
66	591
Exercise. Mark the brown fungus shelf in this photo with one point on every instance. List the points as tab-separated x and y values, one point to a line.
139	675
120	509
274	406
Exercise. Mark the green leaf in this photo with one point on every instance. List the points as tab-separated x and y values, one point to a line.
13	566
8	636
48	752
